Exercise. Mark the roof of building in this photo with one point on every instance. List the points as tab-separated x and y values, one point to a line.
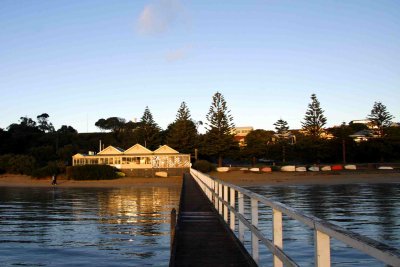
79	155
133	150
138	149
111	150
165	150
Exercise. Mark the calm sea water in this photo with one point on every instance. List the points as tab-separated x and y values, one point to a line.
130	227
85	227
372	210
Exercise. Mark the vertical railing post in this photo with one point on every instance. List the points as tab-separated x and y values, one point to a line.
220	193
232	214
322	249
216	201
277	234
254	222
214	191
226	200
205	181
209	183
241	211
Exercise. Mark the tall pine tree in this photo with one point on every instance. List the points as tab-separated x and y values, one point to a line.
281	127
380	117
314	120
182	133
148	130
219	137
282	130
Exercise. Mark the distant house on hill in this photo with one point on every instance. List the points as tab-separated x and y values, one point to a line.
288	136
366	122
323	135
363	135
240	134
373	130
138	160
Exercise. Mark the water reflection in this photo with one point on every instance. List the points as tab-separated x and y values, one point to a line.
101	227
370	210
130	227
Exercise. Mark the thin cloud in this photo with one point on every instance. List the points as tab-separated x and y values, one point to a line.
159	16
178	54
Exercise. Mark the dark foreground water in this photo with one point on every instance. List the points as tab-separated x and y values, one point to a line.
372	210
130	227
85	227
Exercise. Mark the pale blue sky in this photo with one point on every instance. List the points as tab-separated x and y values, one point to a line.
80	61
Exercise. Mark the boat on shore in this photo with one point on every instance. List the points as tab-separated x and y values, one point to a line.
326	168
385	168
301	169
288	168
254	169
161	174
337	168
350	167
222	169
313	169
266	169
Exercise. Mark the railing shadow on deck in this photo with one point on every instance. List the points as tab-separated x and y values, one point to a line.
225	196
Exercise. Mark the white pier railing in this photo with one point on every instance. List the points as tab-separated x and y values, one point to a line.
225	196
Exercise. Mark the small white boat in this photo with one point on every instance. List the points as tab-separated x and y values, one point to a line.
254	169
350	167
222	169
288	168
313	169
301	169
161	174
244	169
326	168
385	168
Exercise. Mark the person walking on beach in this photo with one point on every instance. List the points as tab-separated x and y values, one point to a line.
54	179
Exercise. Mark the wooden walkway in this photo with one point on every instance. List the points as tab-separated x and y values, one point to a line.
201	237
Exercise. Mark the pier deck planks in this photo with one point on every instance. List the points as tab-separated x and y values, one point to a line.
201	237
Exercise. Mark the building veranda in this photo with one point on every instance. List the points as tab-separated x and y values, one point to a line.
138	160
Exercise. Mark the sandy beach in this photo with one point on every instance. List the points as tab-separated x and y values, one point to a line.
235	177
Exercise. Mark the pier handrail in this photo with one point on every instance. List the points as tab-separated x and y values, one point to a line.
223	195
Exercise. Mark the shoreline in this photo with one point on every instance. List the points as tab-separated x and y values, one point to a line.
308	178
15	180
235	177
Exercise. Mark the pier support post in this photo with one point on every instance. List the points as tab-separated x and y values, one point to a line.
172	229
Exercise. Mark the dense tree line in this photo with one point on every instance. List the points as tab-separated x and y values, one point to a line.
316	144
36	147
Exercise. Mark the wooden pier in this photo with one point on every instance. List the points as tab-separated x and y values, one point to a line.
213	220
202	238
